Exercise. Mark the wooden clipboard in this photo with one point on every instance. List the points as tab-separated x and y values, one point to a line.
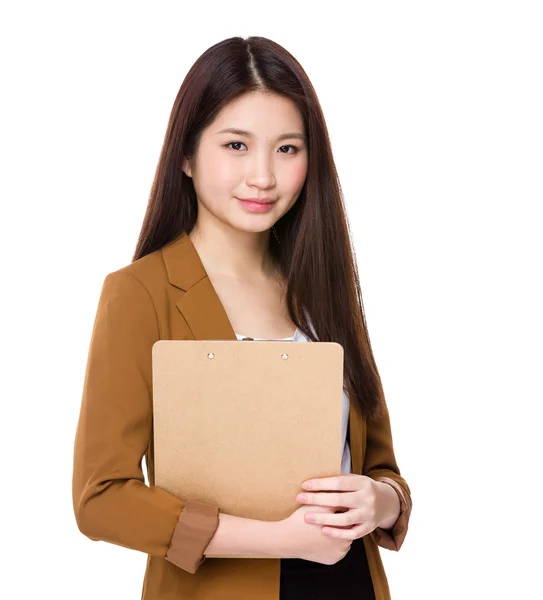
240	424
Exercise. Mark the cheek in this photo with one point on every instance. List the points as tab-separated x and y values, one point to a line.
225	172
296	176
220	174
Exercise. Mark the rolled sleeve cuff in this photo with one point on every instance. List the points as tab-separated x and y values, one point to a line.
392	538
195	527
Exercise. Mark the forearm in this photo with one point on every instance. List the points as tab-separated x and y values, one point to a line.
391	503
246	538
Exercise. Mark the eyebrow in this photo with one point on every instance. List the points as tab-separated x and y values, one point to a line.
283	136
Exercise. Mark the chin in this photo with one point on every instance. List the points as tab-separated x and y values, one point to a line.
261	229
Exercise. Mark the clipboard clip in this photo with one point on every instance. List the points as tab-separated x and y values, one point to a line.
250	339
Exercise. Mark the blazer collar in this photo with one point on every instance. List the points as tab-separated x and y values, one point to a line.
200	305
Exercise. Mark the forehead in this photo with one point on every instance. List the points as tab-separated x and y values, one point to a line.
263	114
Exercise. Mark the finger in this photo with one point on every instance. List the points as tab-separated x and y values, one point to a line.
351	533
346	483
336	500
343	520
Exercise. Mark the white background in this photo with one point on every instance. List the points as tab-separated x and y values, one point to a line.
435	115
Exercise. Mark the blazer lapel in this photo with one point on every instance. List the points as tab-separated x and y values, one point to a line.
200	305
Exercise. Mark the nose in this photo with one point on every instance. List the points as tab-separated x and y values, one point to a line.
260	171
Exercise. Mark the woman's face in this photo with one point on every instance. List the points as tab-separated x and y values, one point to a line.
265	158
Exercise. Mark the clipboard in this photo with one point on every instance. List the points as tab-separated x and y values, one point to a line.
240	424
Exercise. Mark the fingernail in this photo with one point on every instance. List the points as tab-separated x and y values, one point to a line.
309	517
306	485
301	498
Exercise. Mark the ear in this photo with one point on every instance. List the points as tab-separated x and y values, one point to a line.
186	167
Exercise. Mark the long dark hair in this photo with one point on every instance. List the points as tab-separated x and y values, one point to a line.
311	246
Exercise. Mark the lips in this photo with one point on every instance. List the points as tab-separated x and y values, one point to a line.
258	200
256	205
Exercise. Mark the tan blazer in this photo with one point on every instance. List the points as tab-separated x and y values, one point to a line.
168	295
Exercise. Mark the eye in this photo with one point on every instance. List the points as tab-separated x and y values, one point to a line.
296	149
230	143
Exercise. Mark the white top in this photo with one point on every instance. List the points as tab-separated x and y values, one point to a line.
346	466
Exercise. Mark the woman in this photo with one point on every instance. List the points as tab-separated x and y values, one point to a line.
245	235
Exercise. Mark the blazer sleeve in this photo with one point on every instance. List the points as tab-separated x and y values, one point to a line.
111	500
380	464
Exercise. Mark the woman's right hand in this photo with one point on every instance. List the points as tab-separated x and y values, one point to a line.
306	540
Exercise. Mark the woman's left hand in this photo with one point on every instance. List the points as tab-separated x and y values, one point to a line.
362	502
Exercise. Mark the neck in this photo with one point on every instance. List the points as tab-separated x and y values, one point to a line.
233	253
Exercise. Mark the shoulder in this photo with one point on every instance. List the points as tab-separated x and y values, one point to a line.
129	294
146	274
127	322
177	263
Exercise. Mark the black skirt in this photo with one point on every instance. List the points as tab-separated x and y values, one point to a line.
348	579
